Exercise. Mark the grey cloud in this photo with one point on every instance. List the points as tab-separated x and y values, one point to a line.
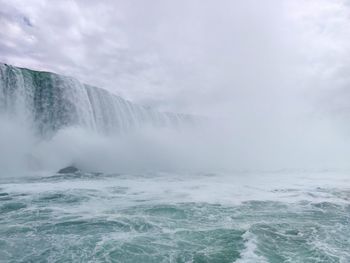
209	57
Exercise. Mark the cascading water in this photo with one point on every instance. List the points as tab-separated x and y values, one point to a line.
50	102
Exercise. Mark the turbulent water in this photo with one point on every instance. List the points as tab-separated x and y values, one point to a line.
158	217
50	102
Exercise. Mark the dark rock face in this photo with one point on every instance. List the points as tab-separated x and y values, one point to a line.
68	170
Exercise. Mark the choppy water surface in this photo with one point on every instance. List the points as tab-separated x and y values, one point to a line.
176	218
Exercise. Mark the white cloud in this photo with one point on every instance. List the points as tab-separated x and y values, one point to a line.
199	56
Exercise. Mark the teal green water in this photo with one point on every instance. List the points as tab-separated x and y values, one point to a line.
170	218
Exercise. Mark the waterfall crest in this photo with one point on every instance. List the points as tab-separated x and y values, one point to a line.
49	102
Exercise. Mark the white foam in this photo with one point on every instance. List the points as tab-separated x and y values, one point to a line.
228	189
248	255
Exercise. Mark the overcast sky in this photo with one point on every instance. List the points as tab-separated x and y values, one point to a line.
196	56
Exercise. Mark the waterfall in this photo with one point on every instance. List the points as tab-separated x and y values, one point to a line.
49	102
